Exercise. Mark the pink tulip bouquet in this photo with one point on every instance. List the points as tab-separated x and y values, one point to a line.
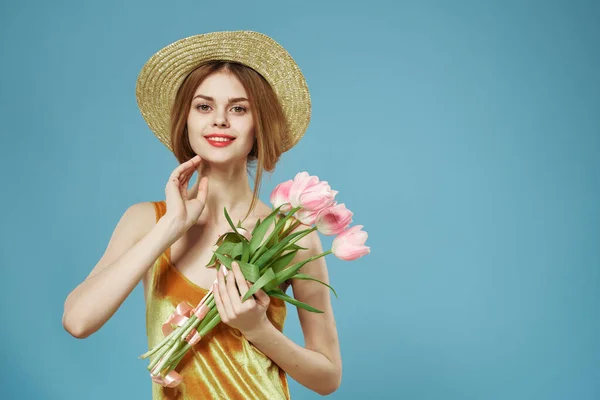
264	261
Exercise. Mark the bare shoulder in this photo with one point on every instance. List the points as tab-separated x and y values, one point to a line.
137	220
142	217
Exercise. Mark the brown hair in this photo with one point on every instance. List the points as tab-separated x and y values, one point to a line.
270	124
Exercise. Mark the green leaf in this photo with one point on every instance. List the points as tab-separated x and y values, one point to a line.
228	248
212	260
234	237
310	278
229	243
280	263
250	271
232	250
236	250
273	238
270	286
267	276
255	226
296	247
261	230
245	251
276	250
287	273
278	293
231	224
271	241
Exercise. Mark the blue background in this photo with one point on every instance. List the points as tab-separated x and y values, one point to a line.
464	136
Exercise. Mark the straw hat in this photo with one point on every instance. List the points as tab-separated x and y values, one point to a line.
163	73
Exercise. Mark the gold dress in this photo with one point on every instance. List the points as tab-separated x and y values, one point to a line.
223	364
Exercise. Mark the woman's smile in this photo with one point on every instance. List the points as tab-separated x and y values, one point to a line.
219	142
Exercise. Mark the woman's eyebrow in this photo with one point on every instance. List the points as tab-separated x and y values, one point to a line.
231	100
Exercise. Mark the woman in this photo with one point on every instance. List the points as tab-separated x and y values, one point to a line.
245	88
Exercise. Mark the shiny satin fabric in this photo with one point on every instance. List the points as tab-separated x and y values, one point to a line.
223	365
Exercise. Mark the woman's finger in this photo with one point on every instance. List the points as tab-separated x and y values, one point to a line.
173	189
178	176
262	297
172	186
191	163
240	279
184	185
219	304
234	294
187	175
179	173
223	293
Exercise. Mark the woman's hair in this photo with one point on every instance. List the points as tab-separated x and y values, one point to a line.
270	124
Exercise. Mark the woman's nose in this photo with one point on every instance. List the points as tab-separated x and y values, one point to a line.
220	119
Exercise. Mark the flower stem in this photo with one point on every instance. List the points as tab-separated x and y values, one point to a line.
290	228
164	349
213	322
165	360
209	300
177	357
159	345
213	319
189	328
175	337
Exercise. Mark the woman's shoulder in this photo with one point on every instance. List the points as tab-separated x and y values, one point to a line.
143	215
144	208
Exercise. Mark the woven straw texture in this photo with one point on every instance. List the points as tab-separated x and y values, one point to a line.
163	73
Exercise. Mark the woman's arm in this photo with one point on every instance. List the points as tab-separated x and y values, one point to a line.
318	365
134	246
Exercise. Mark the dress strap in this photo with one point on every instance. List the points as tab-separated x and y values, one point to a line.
160	207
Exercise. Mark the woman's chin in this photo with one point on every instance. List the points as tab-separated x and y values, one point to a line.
221	160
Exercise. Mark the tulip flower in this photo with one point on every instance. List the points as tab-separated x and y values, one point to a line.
334	219
280	197
350	244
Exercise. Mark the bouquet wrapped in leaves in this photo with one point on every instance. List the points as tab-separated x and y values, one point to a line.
264	260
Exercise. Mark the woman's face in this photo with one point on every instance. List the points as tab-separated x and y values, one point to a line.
220	106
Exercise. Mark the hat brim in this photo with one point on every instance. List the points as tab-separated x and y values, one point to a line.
163	73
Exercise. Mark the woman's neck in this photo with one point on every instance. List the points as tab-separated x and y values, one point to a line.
227	188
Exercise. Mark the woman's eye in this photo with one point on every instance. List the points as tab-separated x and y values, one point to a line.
206	107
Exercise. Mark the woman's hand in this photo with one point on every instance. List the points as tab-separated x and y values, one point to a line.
182	210
247	316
